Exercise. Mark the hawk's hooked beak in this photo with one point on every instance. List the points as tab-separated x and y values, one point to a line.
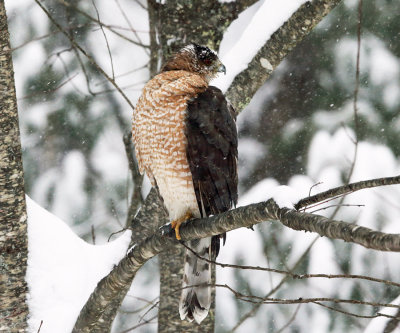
222	69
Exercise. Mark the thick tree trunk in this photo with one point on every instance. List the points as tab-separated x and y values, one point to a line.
13	226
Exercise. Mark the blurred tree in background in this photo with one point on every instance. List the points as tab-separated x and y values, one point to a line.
313	89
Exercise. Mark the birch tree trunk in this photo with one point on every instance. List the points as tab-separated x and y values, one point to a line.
13	218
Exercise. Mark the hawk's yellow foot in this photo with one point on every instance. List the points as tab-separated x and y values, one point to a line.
177	223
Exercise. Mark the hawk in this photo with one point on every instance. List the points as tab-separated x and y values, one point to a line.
185	139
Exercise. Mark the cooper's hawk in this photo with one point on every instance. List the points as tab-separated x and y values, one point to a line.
186	141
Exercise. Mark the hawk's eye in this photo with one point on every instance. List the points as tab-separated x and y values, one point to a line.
207	61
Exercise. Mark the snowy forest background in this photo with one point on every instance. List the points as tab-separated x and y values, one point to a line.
297	131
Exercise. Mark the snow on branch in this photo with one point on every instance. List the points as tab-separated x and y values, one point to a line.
122	275
282	41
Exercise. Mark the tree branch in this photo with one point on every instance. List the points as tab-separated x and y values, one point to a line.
293	275
276	49
346	189
89	57
163	239
108	26
137	178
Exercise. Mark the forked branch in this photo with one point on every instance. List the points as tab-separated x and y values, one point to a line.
122	275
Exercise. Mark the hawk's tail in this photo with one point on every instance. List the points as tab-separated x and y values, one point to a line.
196	301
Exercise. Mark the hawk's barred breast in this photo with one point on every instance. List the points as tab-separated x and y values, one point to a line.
160	141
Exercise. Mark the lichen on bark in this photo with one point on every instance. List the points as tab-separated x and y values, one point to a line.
13	218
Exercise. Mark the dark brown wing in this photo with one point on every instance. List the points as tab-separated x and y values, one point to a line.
212	151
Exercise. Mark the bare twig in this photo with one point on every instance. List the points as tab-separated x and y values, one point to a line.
346	189
151	305
93	235
273	290
356	89
338	205
50	90
130	71
147	321
151	308
137	198
105	37
109	27
90	58
293	275
115	233
130	25
378	314
355	108
126	28
66	70
40	326
141	5
292	318
314	185
301	300
38	39
84	71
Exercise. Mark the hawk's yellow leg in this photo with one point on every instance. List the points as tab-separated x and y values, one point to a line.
177	223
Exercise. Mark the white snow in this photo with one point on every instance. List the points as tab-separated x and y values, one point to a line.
376	60
63	270
248	33
109	157
379	324
285	196
249	152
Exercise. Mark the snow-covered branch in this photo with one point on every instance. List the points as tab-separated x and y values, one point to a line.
119	280
269	56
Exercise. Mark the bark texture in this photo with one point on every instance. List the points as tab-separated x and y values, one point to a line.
164	241
181	22
276	49
13	219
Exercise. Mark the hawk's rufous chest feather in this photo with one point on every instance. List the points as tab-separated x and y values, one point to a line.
159	136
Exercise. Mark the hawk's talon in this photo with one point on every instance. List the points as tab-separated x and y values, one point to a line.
177	223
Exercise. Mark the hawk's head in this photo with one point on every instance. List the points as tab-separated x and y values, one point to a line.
197	59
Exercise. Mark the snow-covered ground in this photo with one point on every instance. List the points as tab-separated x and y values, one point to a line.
63	269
